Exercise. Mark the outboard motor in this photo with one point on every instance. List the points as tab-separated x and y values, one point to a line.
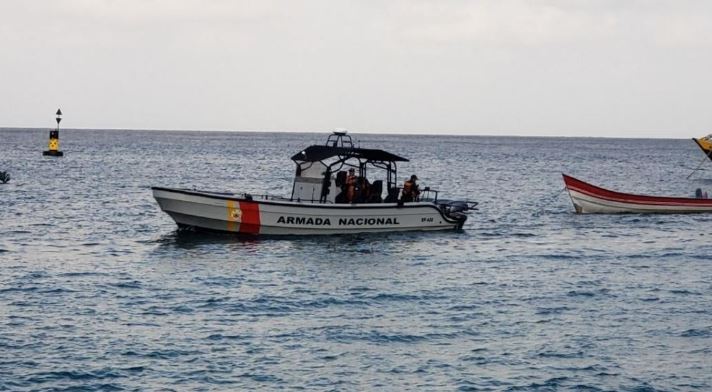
457	209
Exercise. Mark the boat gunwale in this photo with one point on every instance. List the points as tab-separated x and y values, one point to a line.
425	204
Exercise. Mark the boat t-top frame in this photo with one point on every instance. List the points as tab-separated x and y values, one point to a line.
337	154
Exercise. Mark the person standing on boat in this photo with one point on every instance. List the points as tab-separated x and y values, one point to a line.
410	190
351	185
325	185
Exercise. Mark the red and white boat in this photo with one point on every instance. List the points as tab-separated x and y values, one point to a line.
591	199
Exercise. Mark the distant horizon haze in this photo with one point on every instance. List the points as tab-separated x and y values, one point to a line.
367	132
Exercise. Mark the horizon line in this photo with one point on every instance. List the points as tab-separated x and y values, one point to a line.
385	133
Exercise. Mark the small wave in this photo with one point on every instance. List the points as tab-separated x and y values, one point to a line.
461	308
218	336
330	357
467	386
550	354
550	384
643	388
683	292
587	388
523	235
19	289
697	333
58	290
72	375
329	301
162	354
214	302
590	368
135	284
182	309
78	274
575	293
476	359
154	311
383	297
268	378
265	310
221	281
360	289
561	256
375	337
553	310
276	306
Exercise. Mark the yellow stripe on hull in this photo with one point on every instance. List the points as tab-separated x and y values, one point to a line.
234	215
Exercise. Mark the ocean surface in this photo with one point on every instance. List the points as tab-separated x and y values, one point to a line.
100	291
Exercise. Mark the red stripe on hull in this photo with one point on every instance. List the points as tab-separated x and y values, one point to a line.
601	193
250	222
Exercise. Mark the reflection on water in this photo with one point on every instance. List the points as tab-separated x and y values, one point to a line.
176	241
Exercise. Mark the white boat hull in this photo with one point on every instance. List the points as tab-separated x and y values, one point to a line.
586	204
230	213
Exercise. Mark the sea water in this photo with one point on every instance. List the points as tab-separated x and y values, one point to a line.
99	291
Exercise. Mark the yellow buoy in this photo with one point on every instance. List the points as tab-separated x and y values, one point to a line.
53	150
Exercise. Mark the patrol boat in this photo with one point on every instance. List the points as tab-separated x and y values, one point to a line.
325	199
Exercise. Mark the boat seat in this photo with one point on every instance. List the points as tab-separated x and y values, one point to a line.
376	190
392	195
340	198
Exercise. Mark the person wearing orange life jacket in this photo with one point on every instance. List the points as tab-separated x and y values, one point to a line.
410	190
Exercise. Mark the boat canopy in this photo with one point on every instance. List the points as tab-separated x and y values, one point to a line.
318	153
323	167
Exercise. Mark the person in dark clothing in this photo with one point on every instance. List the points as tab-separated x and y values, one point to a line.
351	186
325	185
410	190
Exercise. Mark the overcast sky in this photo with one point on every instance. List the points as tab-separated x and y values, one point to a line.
504	67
